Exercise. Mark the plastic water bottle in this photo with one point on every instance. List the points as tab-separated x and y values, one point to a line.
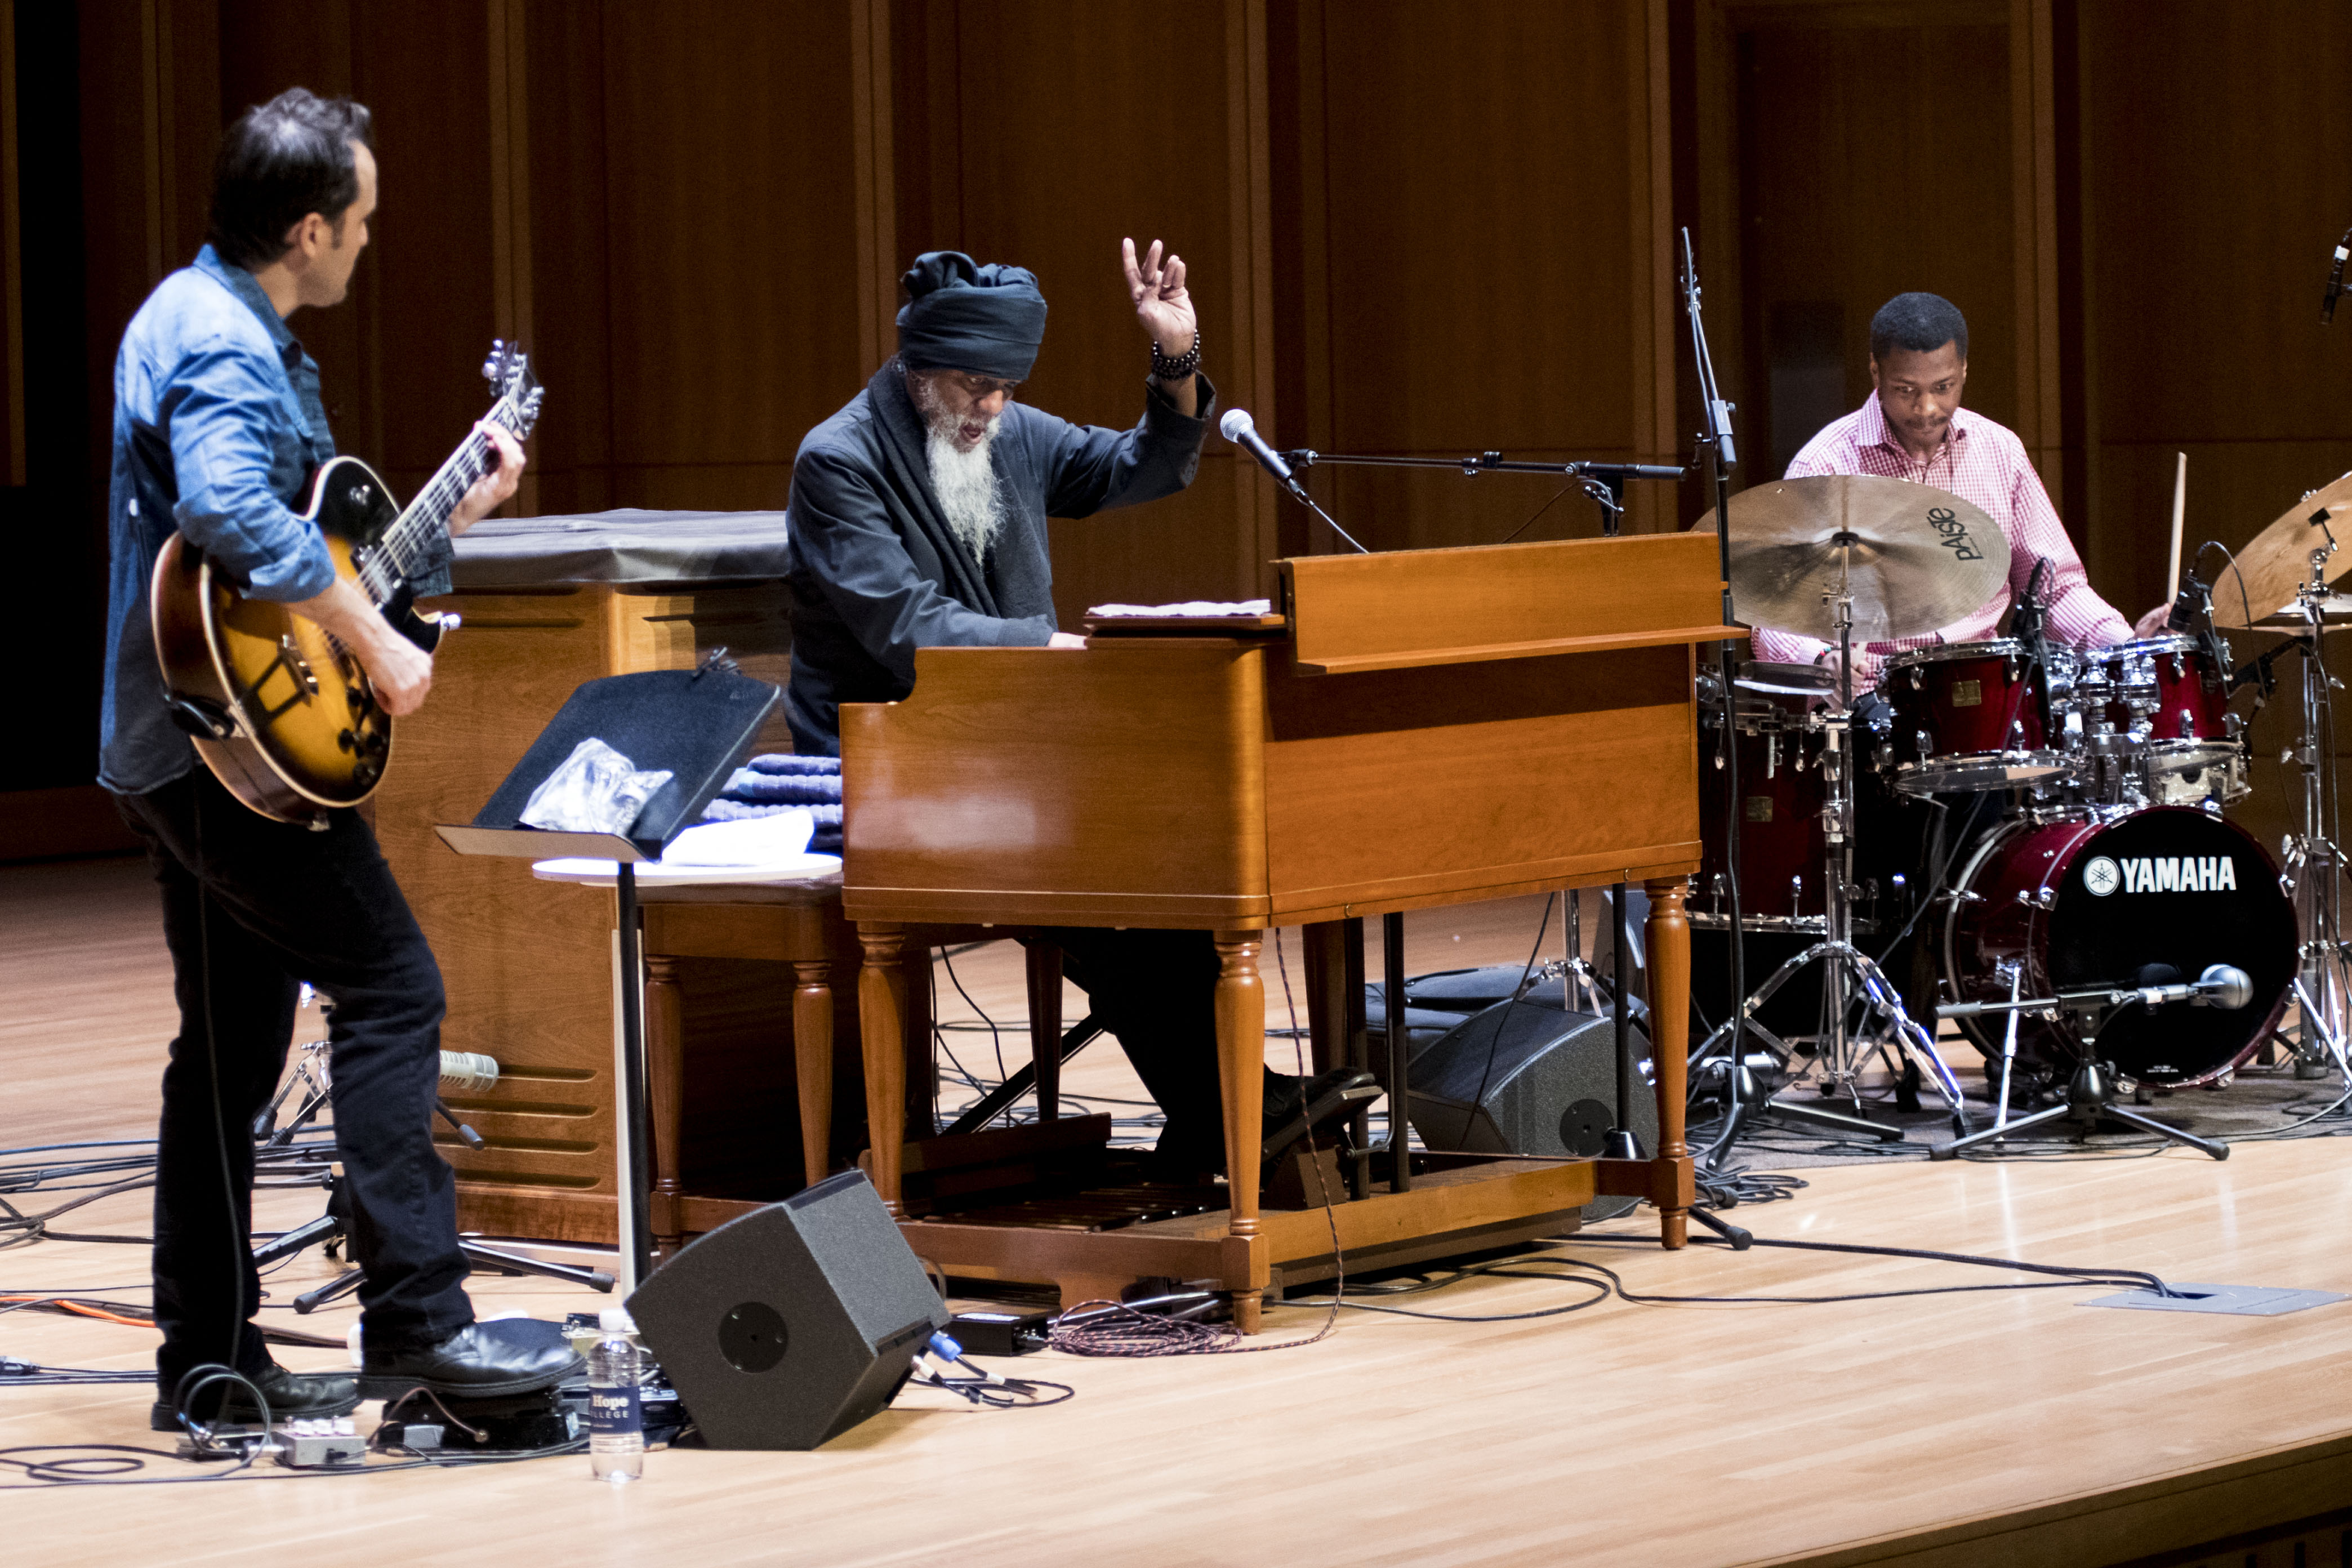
617	1422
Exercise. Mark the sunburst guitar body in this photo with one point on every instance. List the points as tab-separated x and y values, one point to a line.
280	710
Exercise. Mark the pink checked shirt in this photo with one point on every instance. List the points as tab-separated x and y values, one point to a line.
1985	465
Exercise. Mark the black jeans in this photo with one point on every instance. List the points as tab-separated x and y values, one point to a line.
1156	991
251	907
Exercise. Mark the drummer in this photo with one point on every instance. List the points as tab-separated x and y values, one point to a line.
1913	427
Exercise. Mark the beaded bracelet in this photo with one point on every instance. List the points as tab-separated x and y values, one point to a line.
1169	372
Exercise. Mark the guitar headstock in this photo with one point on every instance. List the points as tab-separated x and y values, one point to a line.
508	370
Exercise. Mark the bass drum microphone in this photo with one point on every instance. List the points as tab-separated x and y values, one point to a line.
2222	985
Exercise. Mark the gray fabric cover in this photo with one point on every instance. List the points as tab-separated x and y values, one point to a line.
624	546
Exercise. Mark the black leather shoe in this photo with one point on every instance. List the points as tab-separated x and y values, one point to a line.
512	1355
292	1396
1321	1098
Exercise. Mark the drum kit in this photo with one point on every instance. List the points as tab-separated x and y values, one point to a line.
2046	822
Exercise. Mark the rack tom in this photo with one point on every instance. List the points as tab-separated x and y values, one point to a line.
2166	704
1968	717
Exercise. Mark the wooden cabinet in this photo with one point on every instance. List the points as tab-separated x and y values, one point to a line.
528	964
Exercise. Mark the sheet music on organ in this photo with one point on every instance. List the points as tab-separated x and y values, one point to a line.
1190	609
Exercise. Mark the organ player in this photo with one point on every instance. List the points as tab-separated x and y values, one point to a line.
1913	427
918	520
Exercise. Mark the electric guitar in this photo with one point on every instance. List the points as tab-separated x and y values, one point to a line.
279	710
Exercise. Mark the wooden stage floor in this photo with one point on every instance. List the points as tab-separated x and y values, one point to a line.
1989	1427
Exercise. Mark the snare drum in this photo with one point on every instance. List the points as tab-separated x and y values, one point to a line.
1968	717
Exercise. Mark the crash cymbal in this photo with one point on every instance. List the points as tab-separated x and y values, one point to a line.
2278	557
1920	558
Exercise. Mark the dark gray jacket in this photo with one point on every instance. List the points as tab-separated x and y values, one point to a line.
875	572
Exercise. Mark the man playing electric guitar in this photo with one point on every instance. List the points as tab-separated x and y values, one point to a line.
217	423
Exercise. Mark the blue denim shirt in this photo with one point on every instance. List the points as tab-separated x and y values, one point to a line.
217	425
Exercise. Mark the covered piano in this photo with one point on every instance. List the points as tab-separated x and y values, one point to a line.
1408	731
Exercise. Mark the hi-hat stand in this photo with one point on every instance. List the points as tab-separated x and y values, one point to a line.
1746	1099
1848	976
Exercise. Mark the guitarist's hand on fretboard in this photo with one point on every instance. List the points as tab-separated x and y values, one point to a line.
491	492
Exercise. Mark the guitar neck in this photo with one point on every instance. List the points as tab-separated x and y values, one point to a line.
408	541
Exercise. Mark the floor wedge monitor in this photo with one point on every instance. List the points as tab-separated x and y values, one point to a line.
792	1325
1523	1078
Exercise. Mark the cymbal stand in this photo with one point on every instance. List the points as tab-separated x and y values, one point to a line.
2315	861
1581	988
1848	975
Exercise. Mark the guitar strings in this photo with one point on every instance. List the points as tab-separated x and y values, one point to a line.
440	496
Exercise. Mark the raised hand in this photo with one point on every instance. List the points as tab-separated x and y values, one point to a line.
1163	307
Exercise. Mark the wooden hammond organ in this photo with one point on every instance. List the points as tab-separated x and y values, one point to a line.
1412	729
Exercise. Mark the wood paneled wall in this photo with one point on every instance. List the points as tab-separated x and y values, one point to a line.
1411	229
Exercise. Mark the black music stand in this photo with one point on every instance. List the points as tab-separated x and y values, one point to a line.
701	725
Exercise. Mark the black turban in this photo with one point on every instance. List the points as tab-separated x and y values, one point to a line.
961	315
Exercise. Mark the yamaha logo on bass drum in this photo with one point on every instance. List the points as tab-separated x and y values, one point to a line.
2161	874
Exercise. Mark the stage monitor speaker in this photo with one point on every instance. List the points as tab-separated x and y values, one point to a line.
1523	1078
792	1325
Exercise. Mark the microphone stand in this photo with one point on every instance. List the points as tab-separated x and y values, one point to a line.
1744	1099
1603	483
2091	1091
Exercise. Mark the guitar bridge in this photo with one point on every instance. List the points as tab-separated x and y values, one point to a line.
296	665
299	672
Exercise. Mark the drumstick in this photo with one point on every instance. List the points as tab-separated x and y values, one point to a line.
2179	503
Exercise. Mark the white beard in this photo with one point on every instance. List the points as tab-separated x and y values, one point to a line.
965	483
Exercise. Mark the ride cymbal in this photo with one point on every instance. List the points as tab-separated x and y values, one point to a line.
2274	562
1918	558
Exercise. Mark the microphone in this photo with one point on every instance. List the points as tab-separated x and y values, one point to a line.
2185	615
467	1072
1239	428
2334	280
2222	985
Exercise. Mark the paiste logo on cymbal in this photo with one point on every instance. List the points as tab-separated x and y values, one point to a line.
2161	874
1946	521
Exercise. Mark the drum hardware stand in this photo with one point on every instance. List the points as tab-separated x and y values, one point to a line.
2091	1091
1848	974
2314	863
2015	973
1582	989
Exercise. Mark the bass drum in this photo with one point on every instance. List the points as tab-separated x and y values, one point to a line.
2150	897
